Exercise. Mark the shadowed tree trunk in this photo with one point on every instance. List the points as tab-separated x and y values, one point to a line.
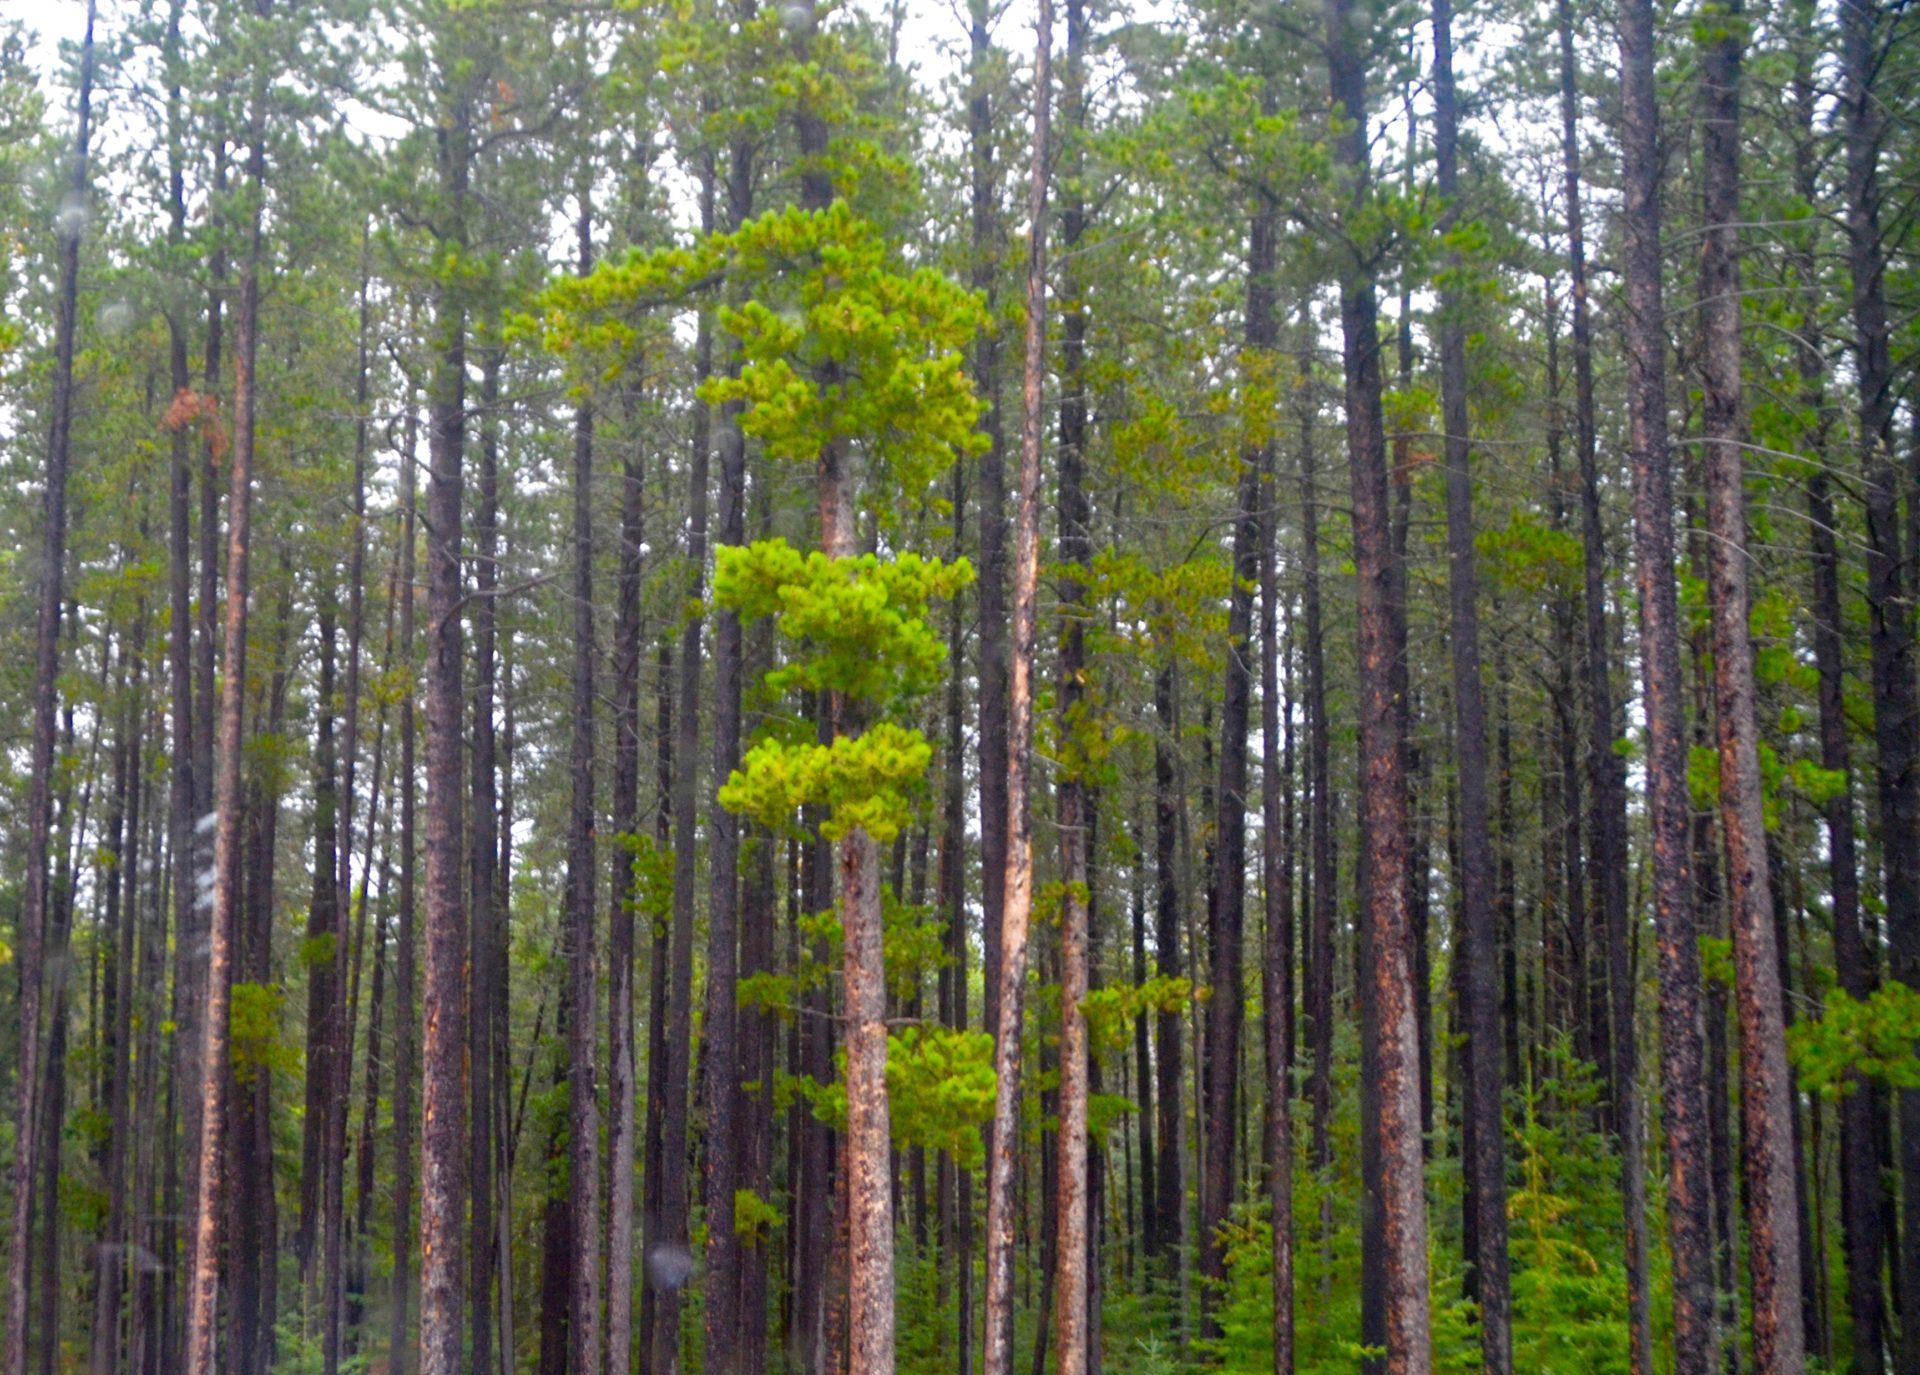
1276	872
182	785
325	997
1607	783
1860	1186
625	814
583	886
1896	700
443	1140
204	1276
1388	974
1766	1088
404	977
36	904
720	1046
1483	1160
668	1257
486	925
1683	1080
1226	920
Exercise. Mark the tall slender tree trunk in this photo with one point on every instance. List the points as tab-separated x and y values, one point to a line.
1766	1088
1169	1184
720	1045
1320	822
334	1160
1226	920
1276	873
210	1194
620	912
443	1139
1860	1178
956	1181
252	1209
1389	973
668	1257
120	927
1682	1071
652	1205
583	887
994	668
486	923
1017	910
404	977
1483	1158
36	906
325	997
1607	785
184	752
1896	699
1070	786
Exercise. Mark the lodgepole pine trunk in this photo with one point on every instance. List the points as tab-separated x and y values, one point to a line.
1770	1159
720	1046
1071	1226
1483	1157
443	1143
1860	1186
1227	916
668	1256
1896	699
1684	1108
1276	969
486	920
1388	975
583	885
1017	911
1607	783
620	910
210	1194
37	903
404	978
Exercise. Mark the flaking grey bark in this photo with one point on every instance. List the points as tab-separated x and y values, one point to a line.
1681	1049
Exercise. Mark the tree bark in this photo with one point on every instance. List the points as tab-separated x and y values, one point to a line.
404	975
1483	1159
1382	641
1896	700
583	886
620	912
204	1277
1860	1178
325	997
668	1256
36	905
1682	1074
1766	1087
1276	872
720	1048
1226	921
443	1141
486	926
1607	784
1017	910
1070	784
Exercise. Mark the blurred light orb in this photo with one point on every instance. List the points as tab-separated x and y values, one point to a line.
114	318
71	222
795	18
669	1265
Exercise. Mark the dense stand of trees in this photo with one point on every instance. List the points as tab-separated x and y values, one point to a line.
845	687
